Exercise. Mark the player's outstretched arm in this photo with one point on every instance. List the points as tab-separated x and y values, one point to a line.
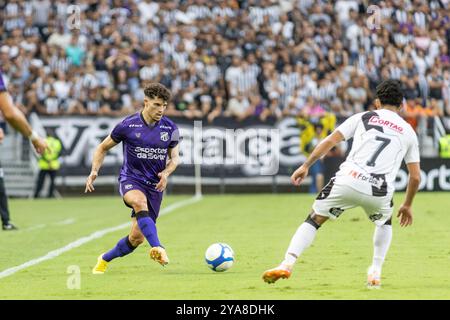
405	213
97	162
18	121
322	149
172	164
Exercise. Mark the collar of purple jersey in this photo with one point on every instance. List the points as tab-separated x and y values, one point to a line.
141	116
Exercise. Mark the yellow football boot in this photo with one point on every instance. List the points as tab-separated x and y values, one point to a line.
101	266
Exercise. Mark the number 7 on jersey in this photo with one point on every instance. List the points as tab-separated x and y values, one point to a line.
384	144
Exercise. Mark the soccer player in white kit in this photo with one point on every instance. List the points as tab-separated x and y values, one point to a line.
381	141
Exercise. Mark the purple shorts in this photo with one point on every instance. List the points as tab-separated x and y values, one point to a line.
154	198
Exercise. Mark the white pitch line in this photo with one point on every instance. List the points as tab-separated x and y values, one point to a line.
96	235
39	226
59	223
65	222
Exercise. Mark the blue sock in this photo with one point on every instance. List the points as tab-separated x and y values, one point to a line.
148	228
122	248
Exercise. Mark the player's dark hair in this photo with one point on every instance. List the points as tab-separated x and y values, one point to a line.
390	92
157	90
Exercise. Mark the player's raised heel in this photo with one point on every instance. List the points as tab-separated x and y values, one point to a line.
280	272
101	266
159	255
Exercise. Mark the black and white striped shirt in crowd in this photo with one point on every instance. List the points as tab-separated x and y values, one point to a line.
402	39
16	23
378	53
122	14
27	8
149	72
274	13
362	62
30	31
168	46
223	12
387	12
61	10
181	59
256	15
90	81
93	26
211	74
198	12
420	19
150	35
133	28
321	93
289	82
169	17
327	91
78	90
395	72
401	16
246	79
366	43
12	10
59	63
41	11
254	69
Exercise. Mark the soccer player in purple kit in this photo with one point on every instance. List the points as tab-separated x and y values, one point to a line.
148	138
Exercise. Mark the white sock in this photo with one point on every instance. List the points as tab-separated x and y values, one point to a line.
301	240
381	241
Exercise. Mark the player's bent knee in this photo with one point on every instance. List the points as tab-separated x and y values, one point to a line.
139	205
137	200
136	240
315	220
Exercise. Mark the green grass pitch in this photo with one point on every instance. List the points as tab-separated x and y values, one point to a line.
258	228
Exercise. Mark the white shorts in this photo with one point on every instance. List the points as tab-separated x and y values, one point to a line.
335	198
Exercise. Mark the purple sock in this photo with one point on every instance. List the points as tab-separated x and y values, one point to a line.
148	228
122	248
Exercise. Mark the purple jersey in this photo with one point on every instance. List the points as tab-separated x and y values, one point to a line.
145	147
2	83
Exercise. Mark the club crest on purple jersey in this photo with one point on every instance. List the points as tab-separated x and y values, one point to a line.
164	136
138	135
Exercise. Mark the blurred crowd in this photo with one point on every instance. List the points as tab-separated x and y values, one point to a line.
225	58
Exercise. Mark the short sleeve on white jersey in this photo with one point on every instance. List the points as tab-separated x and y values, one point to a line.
348	127
412	155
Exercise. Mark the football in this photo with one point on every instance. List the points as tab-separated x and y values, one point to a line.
219	257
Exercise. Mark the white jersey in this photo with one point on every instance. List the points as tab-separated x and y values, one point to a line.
381	140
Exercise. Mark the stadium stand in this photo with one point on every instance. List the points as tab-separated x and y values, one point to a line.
263	57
